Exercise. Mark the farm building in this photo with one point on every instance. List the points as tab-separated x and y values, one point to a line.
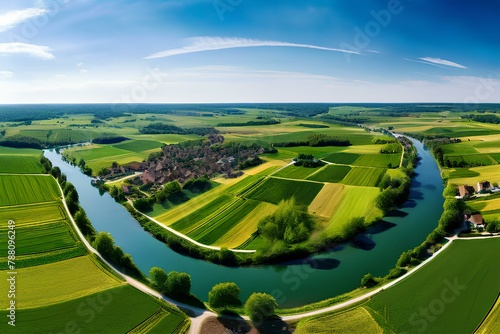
466	190
484	185
476	221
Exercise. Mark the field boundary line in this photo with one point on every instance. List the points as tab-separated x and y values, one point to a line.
488	313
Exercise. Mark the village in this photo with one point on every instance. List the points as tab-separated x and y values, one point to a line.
475	220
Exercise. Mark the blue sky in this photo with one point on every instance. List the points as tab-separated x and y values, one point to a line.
174	51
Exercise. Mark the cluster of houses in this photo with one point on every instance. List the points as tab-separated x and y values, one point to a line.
484	187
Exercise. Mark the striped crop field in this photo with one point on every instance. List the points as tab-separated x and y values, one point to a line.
274	190
245	227
356	202
31	214
364	176
39	238
220	224
296	172
20	164
328	199
331	173
75	278
23	189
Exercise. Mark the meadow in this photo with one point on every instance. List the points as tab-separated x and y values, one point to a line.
342	158
489	206
364	176
331	173
31	214
274	190
121	308
491	323
22	164
23	189
296	172
469	290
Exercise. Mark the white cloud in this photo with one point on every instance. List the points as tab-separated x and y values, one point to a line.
6	74
80	68
37	51
199	44
12	18
439	61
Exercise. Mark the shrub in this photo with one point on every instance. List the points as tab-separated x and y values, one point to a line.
260	306
224	295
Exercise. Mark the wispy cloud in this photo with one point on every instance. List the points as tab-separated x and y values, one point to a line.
12	18
439	61
6	74
37	51
200	44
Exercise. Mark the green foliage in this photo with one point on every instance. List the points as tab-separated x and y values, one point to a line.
167	190
224	295
404	260
394	192
159	278
178	284
142	204
260	306
274	190
84	224
493	226
391	148
368	281
289	223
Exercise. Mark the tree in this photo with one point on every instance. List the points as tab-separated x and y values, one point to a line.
404	260
493	226
368	281
104	244
55	172
159	277
224	295
260	306
178	284
84	224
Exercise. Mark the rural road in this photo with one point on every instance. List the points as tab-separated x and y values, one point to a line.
198	315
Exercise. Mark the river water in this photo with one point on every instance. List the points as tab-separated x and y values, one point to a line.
322	276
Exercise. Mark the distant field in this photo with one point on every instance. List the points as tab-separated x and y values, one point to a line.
120	309
138	145
296	172
23	189
274	190
342	158
356	320
31	214
39	238
58	282
364	176
245	227
20	164
461	131
475	159
20	151
468	290
379	160
355	202
328	199
332	174
59	135
473	175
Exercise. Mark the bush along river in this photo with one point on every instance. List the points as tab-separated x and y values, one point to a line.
318	277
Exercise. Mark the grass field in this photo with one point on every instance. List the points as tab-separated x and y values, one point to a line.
332	174
117	310
356	320
20	151
23	189
356	202
474	159
457	282
296	172
274	190
245	227
379	160
57	282
364	176
473	175
40	238
488	206
327	201
20	164
31	214
342	158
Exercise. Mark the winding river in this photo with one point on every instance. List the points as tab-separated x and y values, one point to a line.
325	275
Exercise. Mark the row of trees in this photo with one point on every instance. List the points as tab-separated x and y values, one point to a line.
316	140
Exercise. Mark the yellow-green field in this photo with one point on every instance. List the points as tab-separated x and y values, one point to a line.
491	324
488	173
31	214
354	321
57	282
327	201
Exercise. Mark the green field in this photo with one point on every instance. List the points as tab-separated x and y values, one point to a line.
356	320
20	164
333	174
296	172
356	202
138	146
116	310
472	159
491	324
23	189
364	176
39	238
31	214
20	151
379	160
342	158
274	190
451	294
59	281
